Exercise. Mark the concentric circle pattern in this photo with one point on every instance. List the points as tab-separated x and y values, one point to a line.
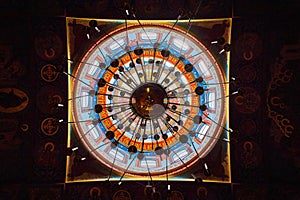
147	100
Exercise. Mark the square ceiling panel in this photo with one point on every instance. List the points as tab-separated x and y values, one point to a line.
148	100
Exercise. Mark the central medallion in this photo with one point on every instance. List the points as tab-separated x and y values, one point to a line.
149	100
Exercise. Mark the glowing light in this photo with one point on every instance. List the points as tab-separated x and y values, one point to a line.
205	165
74	149
97	29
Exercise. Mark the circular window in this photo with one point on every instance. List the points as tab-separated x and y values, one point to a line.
146	100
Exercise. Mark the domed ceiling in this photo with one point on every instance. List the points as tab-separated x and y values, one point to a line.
148	99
